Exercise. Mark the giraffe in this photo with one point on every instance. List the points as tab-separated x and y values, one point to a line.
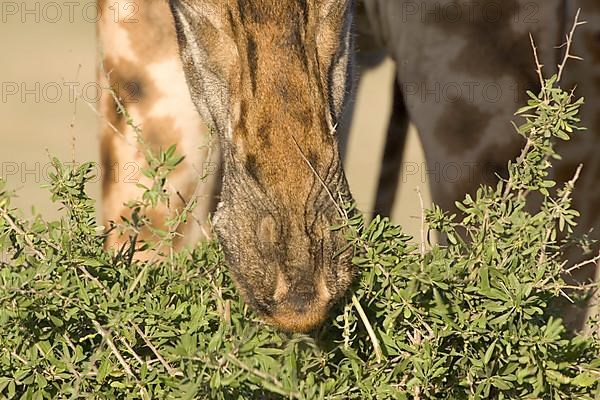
141	64
273	79
291	284
467	45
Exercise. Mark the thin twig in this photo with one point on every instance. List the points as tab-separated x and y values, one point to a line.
417	340
170	370
138	278
422	221
74	118
15	355
342	214
260	374
593	309
520	160
566	296
70	366
369	327
568	44
18	230
538	66
227	313
133	353
106	336
95	280
568	190
583	264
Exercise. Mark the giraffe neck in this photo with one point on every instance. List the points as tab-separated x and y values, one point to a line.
141	65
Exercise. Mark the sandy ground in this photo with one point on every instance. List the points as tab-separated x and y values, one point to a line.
41	60
45	58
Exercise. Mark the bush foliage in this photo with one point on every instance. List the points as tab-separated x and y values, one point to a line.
467	320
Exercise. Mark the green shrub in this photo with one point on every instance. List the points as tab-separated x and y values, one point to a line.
470	319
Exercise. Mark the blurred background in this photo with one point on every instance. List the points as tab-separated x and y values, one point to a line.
49	55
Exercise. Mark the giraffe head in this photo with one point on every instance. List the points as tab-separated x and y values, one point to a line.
271	77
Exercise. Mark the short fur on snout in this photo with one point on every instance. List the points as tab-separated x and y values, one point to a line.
271	77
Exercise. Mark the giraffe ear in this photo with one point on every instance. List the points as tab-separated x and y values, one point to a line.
211	12
333	8
207	54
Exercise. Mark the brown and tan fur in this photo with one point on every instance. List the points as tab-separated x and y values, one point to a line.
272	78
141	63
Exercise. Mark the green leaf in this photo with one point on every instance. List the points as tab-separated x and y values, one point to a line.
586	379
